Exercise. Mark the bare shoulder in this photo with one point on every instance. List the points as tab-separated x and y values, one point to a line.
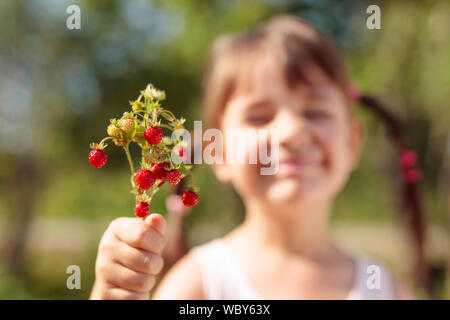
401	290
182	282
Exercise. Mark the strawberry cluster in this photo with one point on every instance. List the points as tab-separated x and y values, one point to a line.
143	125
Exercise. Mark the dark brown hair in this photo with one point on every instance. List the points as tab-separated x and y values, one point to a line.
296	44
411	201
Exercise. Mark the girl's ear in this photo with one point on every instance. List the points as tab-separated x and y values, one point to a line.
356	140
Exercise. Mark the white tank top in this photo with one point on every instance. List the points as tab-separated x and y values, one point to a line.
224	279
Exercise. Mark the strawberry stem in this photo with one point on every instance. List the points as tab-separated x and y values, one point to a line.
137	113
105	139
165	126
130	162
154	116
192	182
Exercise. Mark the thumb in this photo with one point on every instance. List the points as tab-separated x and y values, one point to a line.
157	222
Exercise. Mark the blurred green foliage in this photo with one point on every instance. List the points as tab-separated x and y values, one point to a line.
60	87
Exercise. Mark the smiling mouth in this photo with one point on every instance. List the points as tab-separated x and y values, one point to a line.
295	166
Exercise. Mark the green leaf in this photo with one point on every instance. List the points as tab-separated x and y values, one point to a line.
176	158
182	169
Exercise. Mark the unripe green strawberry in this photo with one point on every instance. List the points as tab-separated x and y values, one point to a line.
113	131
127	125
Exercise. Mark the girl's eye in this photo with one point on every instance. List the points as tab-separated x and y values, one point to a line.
316	114
258	119
259	113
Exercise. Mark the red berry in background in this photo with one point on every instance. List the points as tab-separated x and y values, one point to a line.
189	198
173	177
153	135
144	179
141	209
158	169
412	175
408	159
353	94
97	158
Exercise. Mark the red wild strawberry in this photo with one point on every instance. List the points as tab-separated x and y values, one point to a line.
158	169
153	135
179	150
189	198
144	179
97	158
141	209
173	177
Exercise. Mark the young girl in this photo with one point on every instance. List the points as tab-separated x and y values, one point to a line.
283	75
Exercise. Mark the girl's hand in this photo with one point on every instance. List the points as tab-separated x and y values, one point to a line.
129	258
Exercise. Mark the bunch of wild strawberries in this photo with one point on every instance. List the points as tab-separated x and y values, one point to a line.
162	157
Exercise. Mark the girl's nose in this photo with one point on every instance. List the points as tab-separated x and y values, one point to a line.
293	129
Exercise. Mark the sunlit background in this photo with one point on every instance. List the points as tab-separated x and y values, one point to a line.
60	87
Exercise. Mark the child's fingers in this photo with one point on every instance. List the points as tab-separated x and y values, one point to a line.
118	275
137	259
115	293
138	234
121	294
174	204
157	221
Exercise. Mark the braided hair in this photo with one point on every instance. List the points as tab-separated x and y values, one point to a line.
411	175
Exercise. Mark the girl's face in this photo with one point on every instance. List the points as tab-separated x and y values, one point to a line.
319	139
